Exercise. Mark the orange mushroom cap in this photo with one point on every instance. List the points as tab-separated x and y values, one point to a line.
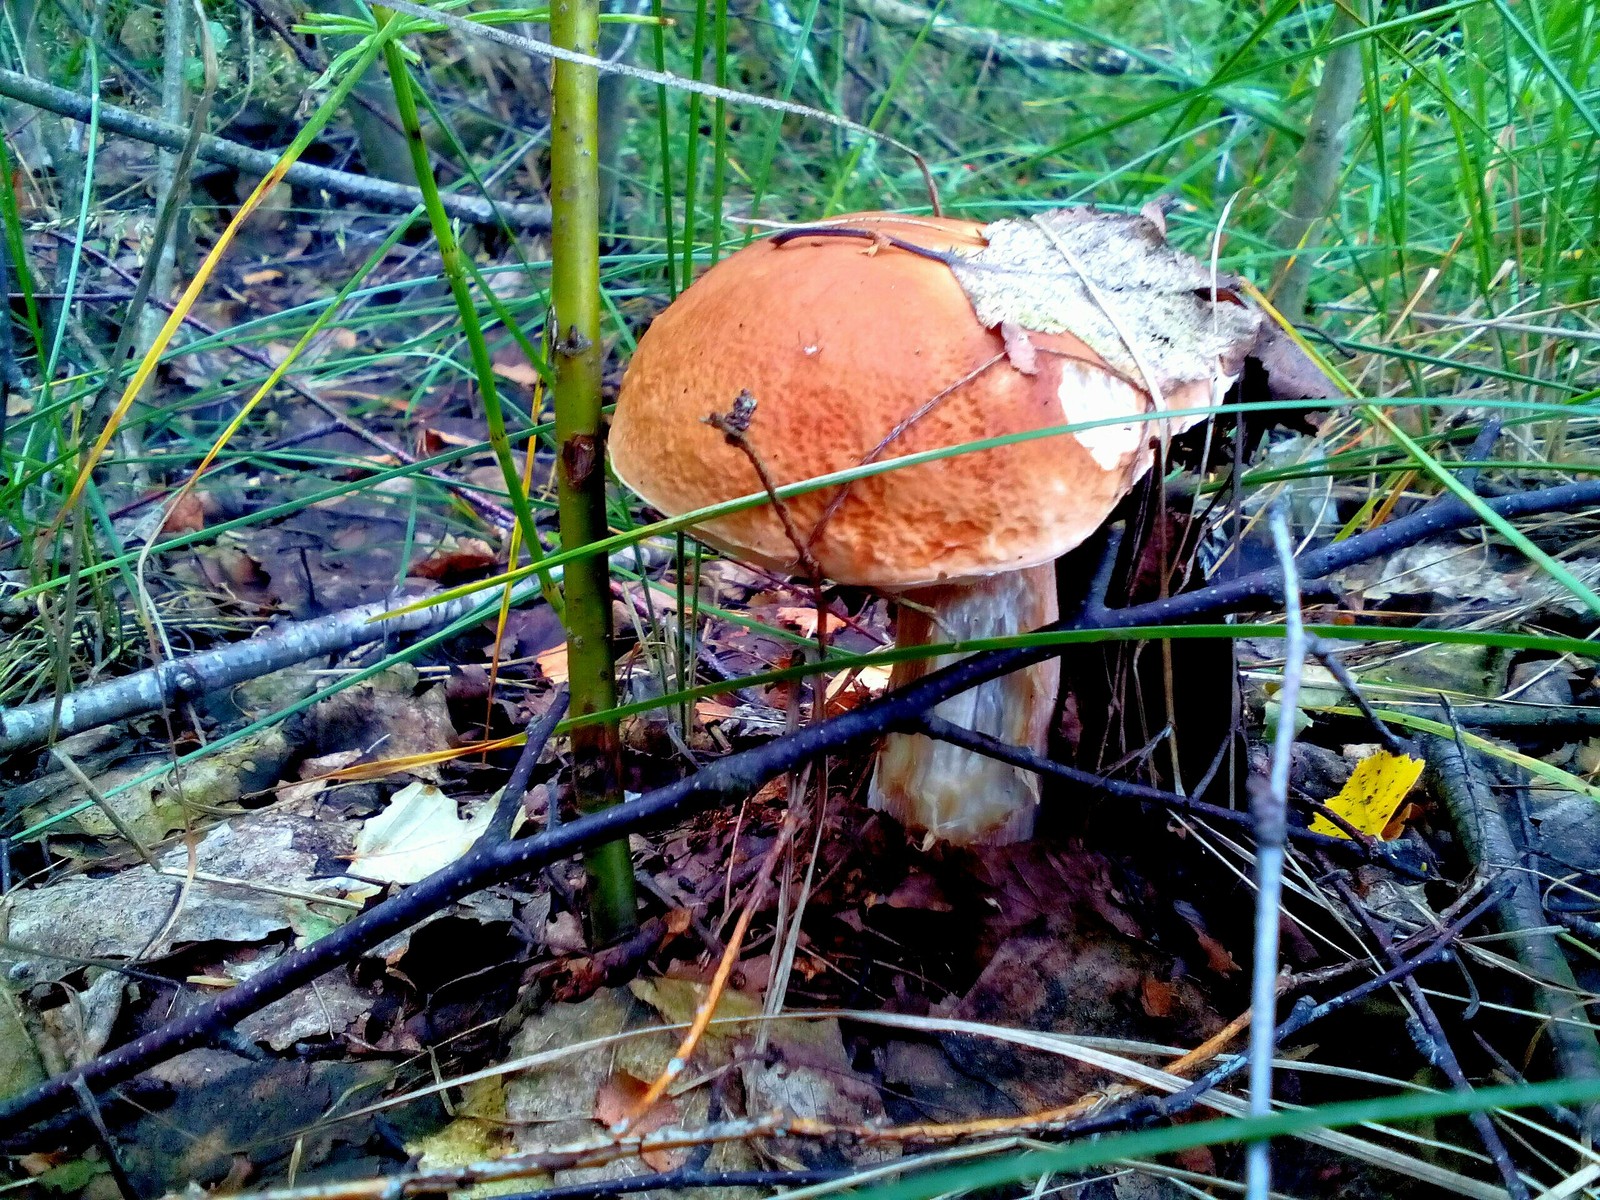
840	340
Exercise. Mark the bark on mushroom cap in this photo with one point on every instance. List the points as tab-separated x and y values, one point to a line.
840	340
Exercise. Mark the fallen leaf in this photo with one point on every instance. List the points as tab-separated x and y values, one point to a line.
520	371
1156	997
553	663
265	275
805	620
1373	794
563	934
619	1096
1110	278
314	773
452	559
188	515
418	834
116	916
712	710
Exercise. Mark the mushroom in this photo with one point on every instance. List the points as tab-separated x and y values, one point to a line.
879	336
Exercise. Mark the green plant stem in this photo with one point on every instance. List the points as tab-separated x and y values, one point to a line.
580	441
455	272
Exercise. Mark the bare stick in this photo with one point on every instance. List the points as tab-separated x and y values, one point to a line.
214	670
1270	806
540	730
475	210
1048	53
1487	836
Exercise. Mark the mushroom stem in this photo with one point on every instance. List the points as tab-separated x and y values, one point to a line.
954	794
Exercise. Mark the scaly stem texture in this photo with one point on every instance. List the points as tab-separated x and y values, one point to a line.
575	299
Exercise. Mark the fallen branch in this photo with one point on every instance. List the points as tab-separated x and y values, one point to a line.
735	776
198	675
1050	53
1397	855
1475	810
476	210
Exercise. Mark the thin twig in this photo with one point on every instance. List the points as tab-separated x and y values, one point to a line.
1388	854
1328	655
1270	806
707	1009
108	1147
900	430
539	732
734	425
1047	53
1304	1013
107	809
545	50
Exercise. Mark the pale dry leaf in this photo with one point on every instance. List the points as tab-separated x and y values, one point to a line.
418	834
553	664
563	934
1101	276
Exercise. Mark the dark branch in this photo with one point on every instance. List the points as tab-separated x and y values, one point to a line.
539	731
1394	855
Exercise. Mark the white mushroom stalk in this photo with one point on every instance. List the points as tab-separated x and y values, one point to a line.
953	794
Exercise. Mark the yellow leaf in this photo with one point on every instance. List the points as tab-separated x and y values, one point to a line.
1373	794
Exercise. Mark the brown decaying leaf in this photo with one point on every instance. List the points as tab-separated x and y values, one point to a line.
452	559
618	1096
188	515
805	620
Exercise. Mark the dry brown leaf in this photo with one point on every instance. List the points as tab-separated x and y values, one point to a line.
452	559
188	515
618	1096
1156	997
805	620
553	663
